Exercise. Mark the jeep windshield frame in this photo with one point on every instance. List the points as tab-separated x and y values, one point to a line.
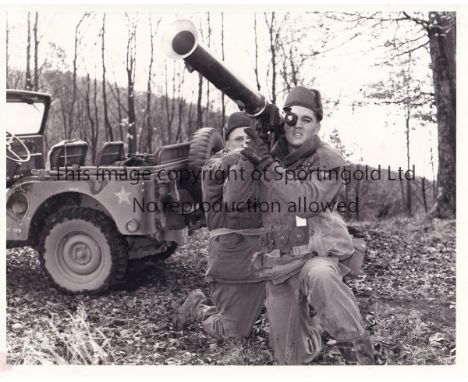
35	99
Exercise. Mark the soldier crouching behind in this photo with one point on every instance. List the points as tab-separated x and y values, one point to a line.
303	252
237	291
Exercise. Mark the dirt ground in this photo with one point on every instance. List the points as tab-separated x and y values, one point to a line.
406	295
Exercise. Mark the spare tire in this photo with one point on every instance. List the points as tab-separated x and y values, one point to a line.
204	144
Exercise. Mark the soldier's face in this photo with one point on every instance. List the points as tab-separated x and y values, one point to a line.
237	138
305	128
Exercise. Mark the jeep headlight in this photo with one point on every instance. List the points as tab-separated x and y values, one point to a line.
18	204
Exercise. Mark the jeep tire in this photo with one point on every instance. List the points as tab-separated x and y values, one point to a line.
81	251
204	144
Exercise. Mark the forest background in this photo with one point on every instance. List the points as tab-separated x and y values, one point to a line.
110	80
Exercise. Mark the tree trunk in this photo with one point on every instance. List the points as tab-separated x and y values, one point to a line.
409	207
107	125
131	61
358	196
90	119
148	124
71	110
180	104
28	84
199	102
207	115
223	101
272	33
431	152
423	191
119	111
442	45
190	117
256	53
36	54
403	200
96	113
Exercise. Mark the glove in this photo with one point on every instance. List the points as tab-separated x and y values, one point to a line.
256	151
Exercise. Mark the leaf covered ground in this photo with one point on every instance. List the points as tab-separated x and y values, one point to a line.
406	295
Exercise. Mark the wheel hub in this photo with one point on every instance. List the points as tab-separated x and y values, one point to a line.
81	254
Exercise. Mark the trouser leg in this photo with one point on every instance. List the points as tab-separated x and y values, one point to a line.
236	307
334	303
294	334
336	308
307	304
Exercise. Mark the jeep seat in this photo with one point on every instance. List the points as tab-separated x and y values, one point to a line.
68	152
172	153
110	153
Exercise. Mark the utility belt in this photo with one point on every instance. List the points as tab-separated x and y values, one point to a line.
287	240
292	243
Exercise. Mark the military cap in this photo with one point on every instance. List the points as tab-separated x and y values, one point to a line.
309	98
235	120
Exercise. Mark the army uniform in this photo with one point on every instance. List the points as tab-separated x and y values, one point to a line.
302	254
237	290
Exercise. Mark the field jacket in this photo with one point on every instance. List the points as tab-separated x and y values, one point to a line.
284	186
229	255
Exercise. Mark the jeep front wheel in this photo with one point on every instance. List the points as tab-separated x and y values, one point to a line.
81	251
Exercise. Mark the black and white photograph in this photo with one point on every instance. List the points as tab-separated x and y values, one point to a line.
231	185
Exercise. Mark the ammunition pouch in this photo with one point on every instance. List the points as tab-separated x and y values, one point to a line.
283	240
276	246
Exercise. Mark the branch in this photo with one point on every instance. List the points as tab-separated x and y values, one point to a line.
411	50
424	23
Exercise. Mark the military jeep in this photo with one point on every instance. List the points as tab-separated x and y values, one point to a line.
87	221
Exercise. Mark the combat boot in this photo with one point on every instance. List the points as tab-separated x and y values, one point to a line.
192	308
357	352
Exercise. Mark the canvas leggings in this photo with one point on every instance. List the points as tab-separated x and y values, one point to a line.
235	309
305	305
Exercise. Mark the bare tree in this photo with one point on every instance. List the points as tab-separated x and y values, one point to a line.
180	104
148	122
431	153
200	95
208	38
199	102
169	101
28	84
293	59
442	43
274	30
130	67
256	53
405	91
223	100
436	31
407	78
335	139
36	54
92	125
423	193
107	125
96	112
71	111
115	91
190	116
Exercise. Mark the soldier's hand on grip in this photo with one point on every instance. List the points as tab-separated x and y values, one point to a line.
256	150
